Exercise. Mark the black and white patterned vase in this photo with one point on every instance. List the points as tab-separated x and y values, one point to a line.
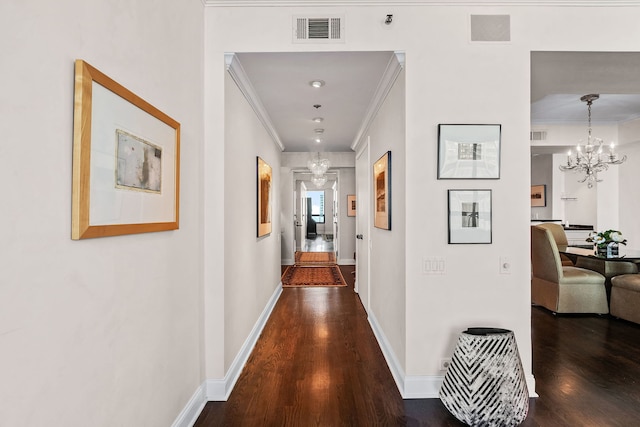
485	383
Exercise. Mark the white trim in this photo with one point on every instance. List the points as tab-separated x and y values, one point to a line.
216	390
239	76
346	261
395	65
387	351
531	385
457	3
422	386
418	386
428	386
192	410
219	390
288	261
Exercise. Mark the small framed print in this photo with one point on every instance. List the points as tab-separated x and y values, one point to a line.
382	192
538	195
351	205
468	151
469	216
264	179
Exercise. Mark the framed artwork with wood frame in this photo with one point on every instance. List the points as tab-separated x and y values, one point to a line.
126	161
538	195
351	205
382	192
264	181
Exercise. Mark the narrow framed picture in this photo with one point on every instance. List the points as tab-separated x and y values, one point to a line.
469	216
469	151
126	161
538	195
351	205
263	191
382	192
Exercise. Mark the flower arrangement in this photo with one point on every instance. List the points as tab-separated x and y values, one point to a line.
602	238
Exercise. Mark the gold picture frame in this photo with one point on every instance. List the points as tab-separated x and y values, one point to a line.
382	192
351	205
264	184
126	161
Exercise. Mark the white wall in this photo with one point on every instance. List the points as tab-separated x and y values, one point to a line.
629	200
347	224
343	165
449	80
387	285
105	331
287	227
251	264
542	174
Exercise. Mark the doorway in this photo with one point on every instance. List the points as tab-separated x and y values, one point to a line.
315	216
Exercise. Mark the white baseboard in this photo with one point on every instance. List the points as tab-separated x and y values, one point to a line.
411	387
418	386
392	361
428	386
346	261
192	410
287	262
220	389
422	386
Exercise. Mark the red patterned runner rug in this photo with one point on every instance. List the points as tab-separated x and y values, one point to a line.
315	258
297	276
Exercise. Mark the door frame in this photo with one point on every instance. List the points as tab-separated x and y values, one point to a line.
363	225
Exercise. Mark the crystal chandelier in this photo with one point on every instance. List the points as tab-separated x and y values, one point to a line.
590	160
318	166
319	180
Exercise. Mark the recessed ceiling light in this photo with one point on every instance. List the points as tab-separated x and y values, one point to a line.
319	130
317	140
317	119
317	83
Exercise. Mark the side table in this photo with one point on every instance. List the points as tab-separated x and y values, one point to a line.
485	383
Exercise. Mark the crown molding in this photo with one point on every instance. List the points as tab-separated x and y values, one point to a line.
395	65
345	3
239	76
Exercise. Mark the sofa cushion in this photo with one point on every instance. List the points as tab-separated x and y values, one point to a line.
627	281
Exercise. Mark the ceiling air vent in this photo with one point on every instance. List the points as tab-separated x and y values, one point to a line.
327	29
538	135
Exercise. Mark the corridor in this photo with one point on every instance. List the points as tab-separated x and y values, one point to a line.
321	243
317	363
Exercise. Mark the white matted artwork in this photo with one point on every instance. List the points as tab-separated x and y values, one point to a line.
468	151
126	161
469	216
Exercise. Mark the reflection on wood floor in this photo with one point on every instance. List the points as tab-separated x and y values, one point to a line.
321	243
317	363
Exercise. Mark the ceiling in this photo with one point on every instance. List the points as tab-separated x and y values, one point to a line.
558	80
282	82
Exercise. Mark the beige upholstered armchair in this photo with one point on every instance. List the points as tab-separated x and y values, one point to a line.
563	289
557	230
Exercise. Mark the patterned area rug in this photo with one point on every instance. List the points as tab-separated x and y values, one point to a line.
297	276
315	258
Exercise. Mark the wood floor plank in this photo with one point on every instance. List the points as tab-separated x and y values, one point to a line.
317	363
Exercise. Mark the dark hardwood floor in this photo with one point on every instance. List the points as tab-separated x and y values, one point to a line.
317	363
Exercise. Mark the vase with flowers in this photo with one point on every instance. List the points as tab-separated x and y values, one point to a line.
606	243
